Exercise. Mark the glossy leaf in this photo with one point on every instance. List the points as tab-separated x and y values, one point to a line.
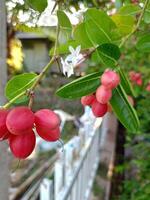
19	84
125	23
147	17
125	83
143	43
39	5
129	9
80	35
80	87
63	20
65	27
108	54
123	110
98	26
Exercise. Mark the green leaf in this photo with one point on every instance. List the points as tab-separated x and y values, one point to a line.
63	20
98	26
147	15
19	84
129	9
125	83
64	48
80	35
124	23
123	109
143	43
39	5
80	38
80	87
65	27
108	54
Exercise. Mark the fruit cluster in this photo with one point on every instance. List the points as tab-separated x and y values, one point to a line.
100	100
19	124
136	78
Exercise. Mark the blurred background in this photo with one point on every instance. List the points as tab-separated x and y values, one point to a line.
99	160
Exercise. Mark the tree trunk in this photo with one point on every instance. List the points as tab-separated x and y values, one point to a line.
4	158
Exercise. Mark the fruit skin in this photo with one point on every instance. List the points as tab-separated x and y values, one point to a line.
22	145
148	87
99	109
139	82
46	119
110	79
87	100
3	127
103	94
49	135
20	120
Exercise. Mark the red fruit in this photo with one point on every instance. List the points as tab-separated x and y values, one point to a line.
103	94
99	109
132	75
87	100
3	127
20	120
22	145
137	76
46	119
49	135
148	88
139	82
110	79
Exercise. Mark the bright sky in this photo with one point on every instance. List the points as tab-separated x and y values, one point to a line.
46	18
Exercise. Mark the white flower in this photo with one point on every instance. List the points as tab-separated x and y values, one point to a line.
75	55
79	14
67	68
71	60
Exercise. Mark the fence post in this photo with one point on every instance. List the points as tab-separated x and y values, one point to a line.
107	148
4	159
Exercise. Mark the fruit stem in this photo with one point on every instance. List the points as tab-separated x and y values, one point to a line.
137	25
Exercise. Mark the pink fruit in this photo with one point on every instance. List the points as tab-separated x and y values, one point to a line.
139	82
49	135
46	119
20	120
87	100
22	145
3	127
99	109
110	79
103	94
148	88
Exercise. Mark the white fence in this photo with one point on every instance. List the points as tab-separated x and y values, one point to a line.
78	163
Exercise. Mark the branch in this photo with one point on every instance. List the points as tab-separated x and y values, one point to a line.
137	25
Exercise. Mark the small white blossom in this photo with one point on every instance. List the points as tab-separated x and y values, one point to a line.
79	14
67	68
71	60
